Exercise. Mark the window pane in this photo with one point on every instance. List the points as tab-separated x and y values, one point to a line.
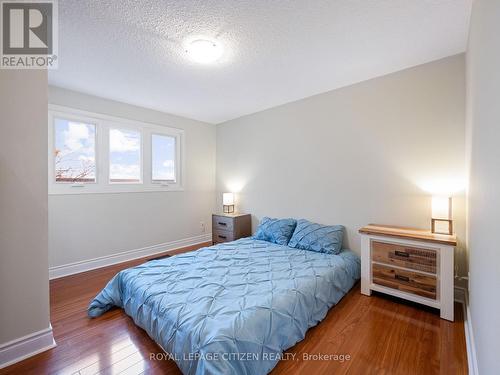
124	155
163	151
74	151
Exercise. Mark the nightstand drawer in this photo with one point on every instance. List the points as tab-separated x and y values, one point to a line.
230	227
405	256
222	223
405	281
412	264
222	235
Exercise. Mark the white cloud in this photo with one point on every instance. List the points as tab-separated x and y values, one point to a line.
76	137
86	158
164	176
167	173
168	164
123	141
124	172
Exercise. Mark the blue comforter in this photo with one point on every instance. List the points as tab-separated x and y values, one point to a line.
231	308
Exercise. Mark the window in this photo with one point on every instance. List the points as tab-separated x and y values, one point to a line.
124	156
74	151
94	153
163	158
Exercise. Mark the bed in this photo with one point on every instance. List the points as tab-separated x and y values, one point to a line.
232	308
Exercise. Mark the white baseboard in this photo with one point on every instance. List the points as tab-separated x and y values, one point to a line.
108	260
461	296
26	346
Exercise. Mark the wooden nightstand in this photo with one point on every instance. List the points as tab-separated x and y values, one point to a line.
230	227
413	264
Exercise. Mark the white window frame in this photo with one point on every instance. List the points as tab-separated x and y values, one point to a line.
103	123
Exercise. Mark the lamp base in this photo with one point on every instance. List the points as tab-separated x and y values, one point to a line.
228	208
442	226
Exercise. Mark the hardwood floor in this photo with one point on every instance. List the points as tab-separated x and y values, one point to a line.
381	335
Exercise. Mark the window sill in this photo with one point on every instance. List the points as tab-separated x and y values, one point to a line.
112	189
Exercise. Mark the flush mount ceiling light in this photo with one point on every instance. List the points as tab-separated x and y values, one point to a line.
204	51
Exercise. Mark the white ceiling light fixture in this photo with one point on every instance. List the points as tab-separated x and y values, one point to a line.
204	51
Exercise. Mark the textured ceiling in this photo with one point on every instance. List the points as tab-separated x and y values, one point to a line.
276	51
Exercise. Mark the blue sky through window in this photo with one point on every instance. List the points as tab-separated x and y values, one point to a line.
124	155
74	151
163	154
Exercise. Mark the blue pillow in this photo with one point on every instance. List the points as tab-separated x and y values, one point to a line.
317	237
276	231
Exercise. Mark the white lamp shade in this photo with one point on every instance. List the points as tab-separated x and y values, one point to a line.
441	208
227	199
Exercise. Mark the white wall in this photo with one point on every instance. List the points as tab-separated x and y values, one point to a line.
87	226
357	155
483	139
24	282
